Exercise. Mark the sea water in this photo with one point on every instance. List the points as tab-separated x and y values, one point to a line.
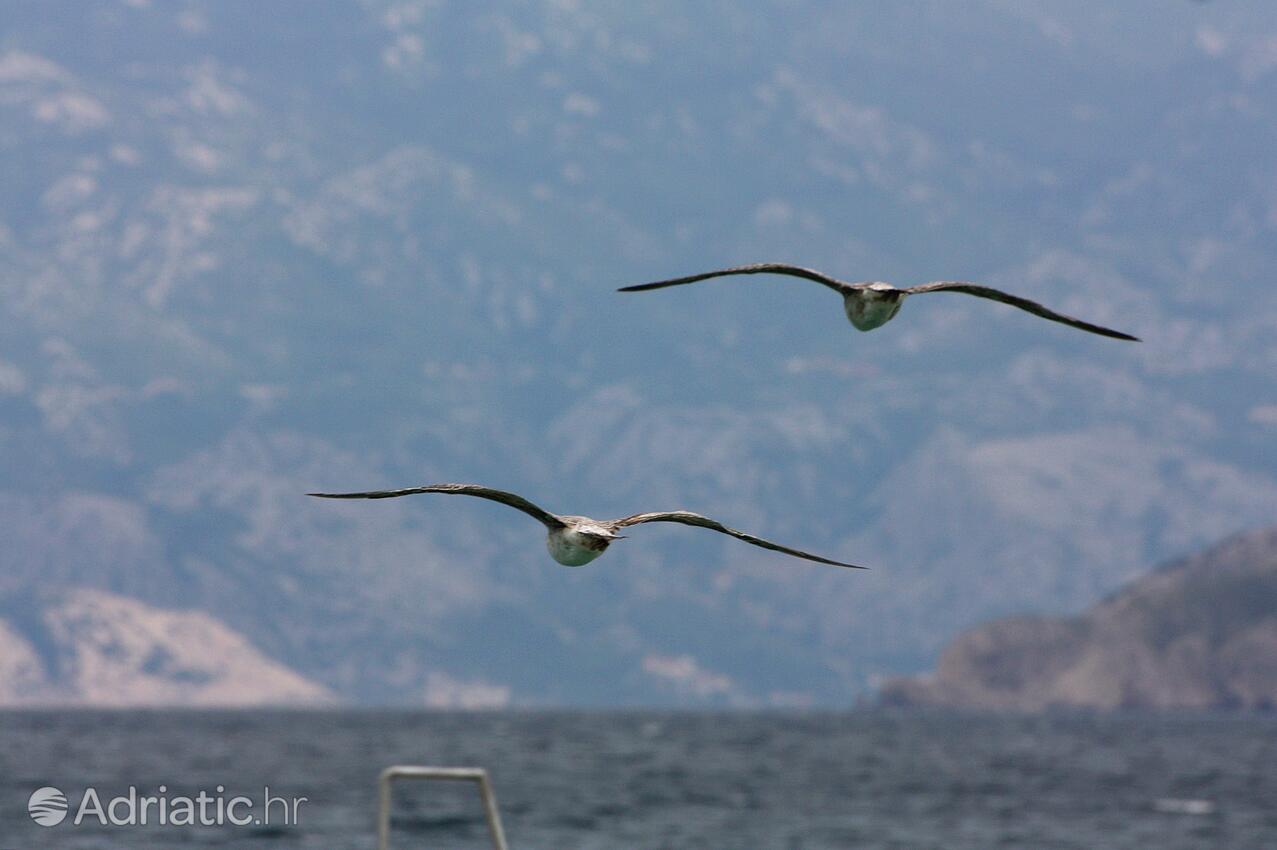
615	780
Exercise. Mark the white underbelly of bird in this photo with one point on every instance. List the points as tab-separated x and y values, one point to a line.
869	309
573	548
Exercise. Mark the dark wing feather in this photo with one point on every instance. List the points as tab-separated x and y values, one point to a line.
689	518
514	501
1016	301
757	268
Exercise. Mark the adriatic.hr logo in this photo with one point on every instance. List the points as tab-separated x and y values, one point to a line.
48	806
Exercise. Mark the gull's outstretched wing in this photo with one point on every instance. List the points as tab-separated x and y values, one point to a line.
689	518
758	268
1015	301
514	501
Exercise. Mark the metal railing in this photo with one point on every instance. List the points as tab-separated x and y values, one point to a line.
447	774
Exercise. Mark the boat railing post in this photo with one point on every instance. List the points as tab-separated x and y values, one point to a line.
448	774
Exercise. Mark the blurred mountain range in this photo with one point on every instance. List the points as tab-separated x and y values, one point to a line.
1199	633
251	251
86	647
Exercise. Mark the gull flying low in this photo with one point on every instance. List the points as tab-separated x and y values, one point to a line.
574	541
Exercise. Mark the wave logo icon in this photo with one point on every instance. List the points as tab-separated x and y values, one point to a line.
47	806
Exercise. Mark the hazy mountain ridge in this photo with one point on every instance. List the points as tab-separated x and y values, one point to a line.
227	282
86	647
1199	633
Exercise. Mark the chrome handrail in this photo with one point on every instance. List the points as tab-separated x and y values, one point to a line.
447	774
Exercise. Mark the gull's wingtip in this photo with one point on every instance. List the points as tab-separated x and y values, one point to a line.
831	562
1112	334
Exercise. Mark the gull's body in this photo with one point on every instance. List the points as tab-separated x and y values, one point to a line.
578	542
871	304
574	541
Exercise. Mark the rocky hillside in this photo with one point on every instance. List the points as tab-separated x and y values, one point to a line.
376	244
1197	634
87	647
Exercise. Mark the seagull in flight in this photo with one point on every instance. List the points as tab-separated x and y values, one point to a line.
871	304
574	541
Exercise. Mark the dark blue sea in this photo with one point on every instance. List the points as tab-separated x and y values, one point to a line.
865	779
